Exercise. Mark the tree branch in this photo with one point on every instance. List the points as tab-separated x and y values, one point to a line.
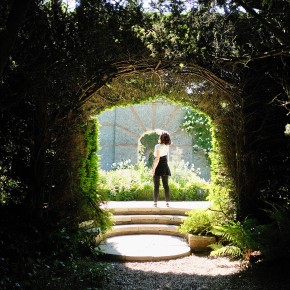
281	36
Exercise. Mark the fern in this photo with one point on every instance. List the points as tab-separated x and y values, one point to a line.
236	238
280	215
232	232
218	249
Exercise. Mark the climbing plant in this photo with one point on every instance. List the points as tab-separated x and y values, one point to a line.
146	147
88	171
197	125
88	176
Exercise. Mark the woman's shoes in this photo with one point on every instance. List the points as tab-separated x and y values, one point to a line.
155	204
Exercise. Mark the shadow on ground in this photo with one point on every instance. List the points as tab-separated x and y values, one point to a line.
258	277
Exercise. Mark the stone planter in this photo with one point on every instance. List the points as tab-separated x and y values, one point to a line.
200	243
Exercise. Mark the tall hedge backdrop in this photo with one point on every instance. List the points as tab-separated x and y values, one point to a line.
61	67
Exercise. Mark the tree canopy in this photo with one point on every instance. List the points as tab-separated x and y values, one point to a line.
60	66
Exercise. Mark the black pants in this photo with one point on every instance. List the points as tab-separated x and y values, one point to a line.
156	180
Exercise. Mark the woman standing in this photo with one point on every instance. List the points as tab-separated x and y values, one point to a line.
160	168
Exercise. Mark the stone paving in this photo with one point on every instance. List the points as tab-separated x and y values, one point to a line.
161	204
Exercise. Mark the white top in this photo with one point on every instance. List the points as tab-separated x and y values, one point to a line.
163	149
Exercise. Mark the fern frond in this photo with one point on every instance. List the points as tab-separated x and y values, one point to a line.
225	251
233	232
216	246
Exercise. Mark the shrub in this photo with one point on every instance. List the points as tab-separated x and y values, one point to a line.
198	222
128	182
197	124
236	239
240	239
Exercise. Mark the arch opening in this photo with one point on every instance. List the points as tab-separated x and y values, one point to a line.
129	134
184	90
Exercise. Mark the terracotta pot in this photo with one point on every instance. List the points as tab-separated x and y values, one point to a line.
200	243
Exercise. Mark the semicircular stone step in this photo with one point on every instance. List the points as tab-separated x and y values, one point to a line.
144	229
148	211
144	247
146	207
148	219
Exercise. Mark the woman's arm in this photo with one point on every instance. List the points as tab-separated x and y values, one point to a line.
156	161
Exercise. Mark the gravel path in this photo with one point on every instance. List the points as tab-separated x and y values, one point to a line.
193	273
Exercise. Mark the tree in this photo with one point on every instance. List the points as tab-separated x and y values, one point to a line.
57	67
14	12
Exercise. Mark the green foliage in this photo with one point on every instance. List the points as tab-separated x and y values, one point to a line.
280	215
198	222
135	183
275	235
197	31
55	257
197	125
220	192
146	147
74	53
88	195
237	239
88	171
74	50
218	249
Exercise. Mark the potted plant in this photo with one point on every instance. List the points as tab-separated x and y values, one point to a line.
197	228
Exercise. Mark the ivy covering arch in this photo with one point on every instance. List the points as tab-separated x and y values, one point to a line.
190	86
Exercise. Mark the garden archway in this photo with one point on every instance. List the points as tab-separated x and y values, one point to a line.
122	128
190	86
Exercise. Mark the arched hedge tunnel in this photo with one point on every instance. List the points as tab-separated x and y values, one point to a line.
233	169
251	159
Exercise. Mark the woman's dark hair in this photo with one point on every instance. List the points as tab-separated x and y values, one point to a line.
165	139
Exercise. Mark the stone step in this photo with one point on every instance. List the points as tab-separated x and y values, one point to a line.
146	207
149	211
146	233
144	248
148	219
160	229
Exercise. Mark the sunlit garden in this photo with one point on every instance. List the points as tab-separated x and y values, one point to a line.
125	181
134	182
